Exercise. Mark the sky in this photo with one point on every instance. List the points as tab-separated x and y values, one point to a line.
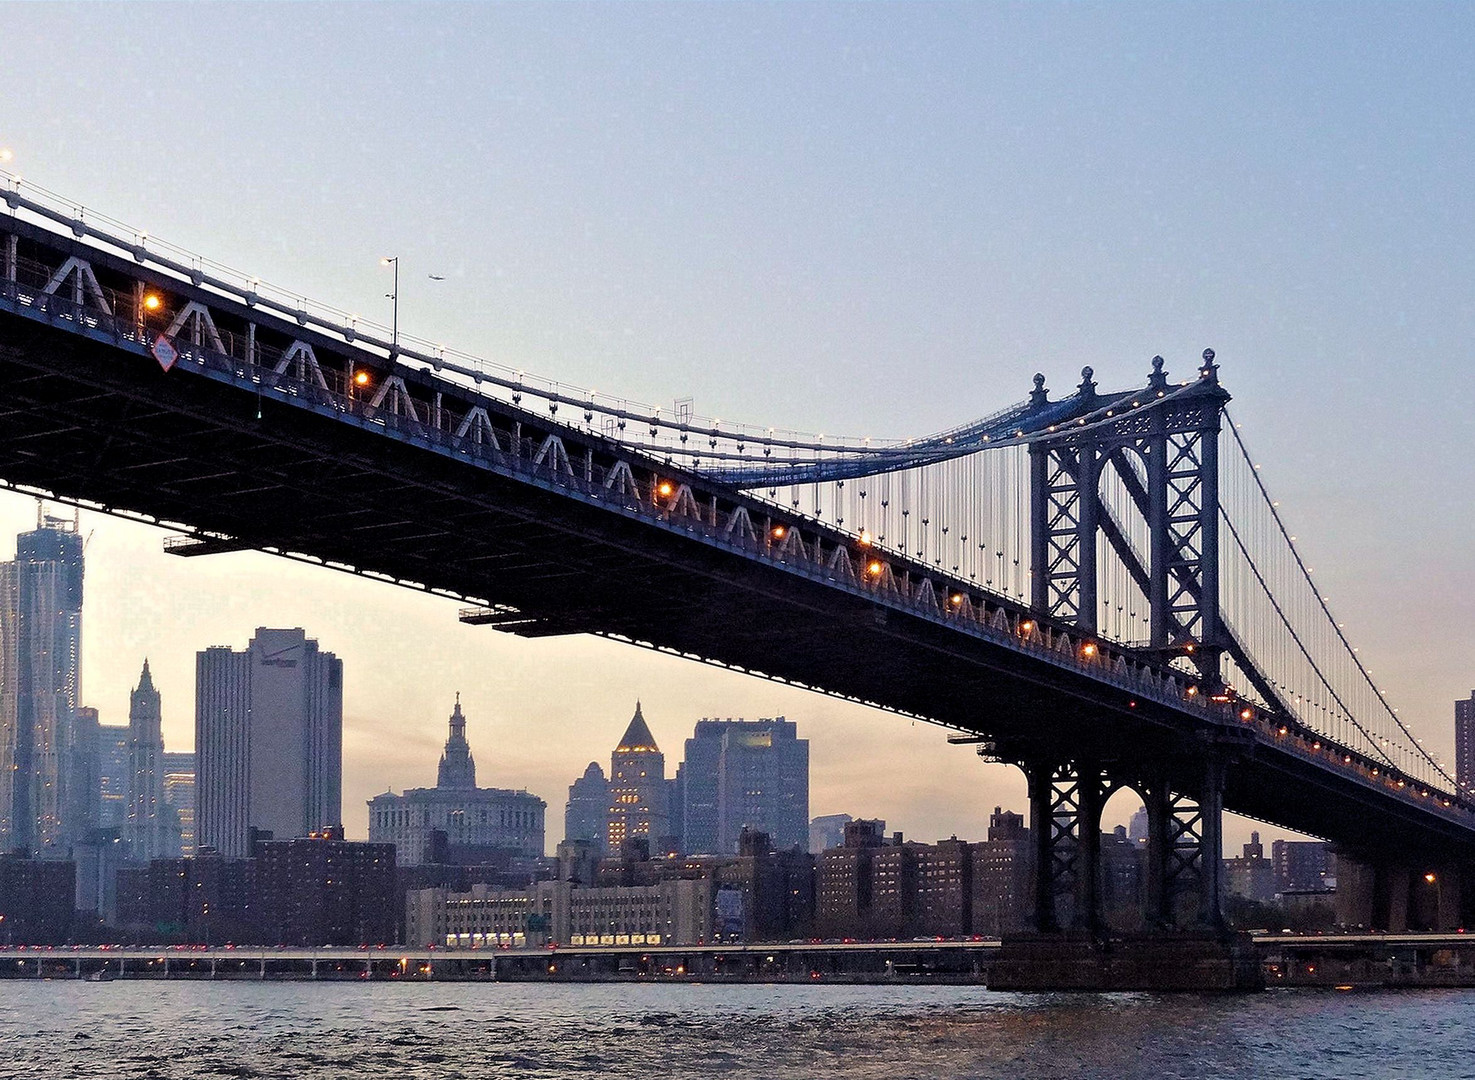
876	219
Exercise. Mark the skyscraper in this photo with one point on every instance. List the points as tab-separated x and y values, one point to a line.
744	774
587	814
152	826
268	740
43	793
1465	742
639	797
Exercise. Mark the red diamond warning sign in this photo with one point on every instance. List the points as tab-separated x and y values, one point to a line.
165	352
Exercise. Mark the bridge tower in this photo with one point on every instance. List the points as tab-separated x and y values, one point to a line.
1166	458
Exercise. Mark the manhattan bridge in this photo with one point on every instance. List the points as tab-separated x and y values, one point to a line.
1093	585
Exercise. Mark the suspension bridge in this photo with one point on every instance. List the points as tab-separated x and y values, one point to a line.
1095	586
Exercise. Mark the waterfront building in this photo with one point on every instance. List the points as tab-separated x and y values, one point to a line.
827	832
324	890
893	909
843	880
456	821
36	898
586	816
152	827
1465	742
44	792
179	793
741	774
944	904
268	740
638	792
672	912
1003	876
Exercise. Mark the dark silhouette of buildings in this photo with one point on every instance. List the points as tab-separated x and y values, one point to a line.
1252	875
35	899
324	890
1302	865
311	891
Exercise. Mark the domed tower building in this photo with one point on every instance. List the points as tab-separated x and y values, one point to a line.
456	821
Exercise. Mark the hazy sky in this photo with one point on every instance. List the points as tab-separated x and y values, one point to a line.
874	219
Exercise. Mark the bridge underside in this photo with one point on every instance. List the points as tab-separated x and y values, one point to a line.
85	420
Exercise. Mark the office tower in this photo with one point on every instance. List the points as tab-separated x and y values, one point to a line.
268	740
456	821
112	774
1465	742
152	827
179	793
744	774
43	794
587	815
639	798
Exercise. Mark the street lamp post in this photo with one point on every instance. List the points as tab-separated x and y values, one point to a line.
393	260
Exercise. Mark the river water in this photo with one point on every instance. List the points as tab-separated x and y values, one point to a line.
60	1029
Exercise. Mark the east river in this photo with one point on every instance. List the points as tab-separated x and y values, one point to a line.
305	1031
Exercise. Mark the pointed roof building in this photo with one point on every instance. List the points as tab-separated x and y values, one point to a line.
637	737
457	767
640	799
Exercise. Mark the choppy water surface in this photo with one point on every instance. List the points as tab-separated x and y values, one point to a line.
318	1030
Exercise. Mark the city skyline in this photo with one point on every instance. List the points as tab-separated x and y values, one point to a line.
938	255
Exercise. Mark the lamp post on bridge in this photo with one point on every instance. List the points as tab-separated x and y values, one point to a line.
393	260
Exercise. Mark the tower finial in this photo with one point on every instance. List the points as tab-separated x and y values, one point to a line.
1158	380
1039	396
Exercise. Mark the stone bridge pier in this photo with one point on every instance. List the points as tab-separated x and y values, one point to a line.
1397	894
1184	943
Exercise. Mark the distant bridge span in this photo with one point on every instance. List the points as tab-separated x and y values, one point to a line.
277	431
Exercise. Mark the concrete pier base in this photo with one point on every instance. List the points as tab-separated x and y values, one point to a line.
1162	962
